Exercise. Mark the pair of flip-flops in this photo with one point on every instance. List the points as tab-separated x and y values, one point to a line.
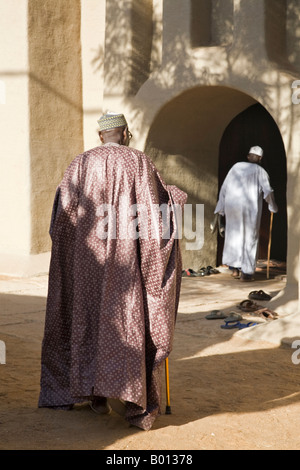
233	320
219	315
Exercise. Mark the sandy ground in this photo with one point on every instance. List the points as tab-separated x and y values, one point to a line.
226	392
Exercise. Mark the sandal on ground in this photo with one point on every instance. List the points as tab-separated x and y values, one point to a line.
216	315
211	270
203	272
238	325
267	314
207	271
246	277
249	306
189	273
234	317
259	295
235	273
100	406
246	325
230	325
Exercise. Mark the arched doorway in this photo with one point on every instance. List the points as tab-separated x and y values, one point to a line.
255	126
185	140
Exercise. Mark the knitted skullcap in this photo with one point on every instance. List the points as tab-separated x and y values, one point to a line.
111	120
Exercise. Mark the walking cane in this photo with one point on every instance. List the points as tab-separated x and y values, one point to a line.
168	405
269	246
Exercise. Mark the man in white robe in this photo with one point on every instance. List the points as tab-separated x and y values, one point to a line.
240	201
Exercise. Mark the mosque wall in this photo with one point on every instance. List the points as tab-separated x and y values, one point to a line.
214	46
14	118
282	32
293	33
93	14
41	121
211	22
55	104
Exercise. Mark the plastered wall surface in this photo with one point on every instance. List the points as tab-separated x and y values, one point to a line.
14	118
55	104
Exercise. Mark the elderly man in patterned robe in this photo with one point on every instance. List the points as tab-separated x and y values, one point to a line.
114	281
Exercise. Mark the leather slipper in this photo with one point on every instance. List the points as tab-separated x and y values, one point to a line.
100	406
249	306
216	315
259	295
211	270
266	313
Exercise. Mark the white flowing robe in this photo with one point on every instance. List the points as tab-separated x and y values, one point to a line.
240	200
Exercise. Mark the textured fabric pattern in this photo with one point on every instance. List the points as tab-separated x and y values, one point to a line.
112	298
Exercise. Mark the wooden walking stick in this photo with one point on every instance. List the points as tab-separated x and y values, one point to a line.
269	246
168	405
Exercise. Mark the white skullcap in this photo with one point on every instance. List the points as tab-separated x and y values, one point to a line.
257	151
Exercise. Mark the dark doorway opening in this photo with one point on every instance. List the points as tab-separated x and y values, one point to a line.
255	126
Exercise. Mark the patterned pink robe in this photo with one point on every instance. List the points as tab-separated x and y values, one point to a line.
112	299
